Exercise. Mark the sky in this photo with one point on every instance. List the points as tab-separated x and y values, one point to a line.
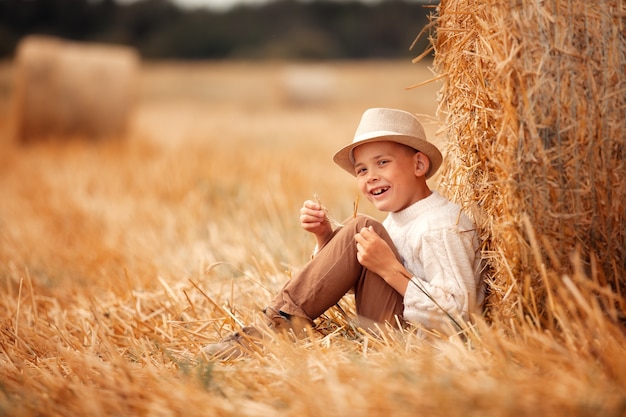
214	4
227	4
211	4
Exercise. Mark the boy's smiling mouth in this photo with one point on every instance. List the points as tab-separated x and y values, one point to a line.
379	191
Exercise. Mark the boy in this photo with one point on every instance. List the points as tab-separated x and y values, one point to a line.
421	265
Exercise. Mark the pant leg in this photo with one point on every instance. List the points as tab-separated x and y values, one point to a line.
334	271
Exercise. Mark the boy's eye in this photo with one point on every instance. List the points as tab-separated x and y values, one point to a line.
383	162
360	171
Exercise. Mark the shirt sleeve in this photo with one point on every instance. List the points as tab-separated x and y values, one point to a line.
447	292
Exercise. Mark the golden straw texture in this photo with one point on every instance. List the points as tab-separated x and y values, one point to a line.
534	99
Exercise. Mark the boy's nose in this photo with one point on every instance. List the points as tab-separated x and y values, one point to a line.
372	175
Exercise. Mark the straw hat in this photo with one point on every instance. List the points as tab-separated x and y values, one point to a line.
378	125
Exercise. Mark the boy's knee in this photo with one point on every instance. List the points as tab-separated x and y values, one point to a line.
363	220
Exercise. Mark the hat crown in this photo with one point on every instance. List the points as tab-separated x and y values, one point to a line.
388	122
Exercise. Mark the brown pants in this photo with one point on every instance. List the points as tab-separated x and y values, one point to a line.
333	272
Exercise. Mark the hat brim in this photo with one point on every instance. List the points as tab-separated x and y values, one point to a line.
344	159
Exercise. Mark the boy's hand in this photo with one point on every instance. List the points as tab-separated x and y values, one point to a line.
372	251
313	219
376	255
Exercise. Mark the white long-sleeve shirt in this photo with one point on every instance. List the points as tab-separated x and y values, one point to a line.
439	246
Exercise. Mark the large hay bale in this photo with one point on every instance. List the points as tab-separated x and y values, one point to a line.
72	89
534	98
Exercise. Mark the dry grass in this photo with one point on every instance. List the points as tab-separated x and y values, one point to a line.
120	259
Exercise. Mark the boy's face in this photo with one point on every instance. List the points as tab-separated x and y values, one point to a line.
391	175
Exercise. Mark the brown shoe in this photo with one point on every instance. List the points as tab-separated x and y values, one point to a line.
286	323
245	341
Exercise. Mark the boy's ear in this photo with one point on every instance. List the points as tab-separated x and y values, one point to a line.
422	164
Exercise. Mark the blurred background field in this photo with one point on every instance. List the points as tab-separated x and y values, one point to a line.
226	140
120	257
143	247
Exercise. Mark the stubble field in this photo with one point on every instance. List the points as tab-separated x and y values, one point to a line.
121	258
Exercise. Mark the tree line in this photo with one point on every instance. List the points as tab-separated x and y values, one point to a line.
281	29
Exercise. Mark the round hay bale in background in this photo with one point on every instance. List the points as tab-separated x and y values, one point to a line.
74	89
535	104
307	85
